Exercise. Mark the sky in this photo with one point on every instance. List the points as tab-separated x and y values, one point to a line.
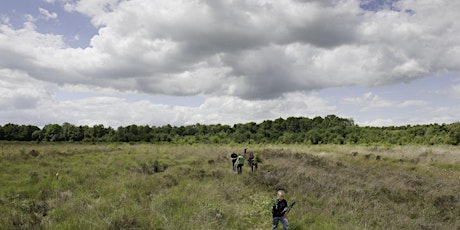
183	62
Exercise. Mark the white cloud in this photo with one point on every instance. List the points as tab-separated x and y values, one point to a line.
252	50
29	20
93	8
371	101
36	102
379	123
456	90
263	59
295	104
411	103
5	19
47	15
21	96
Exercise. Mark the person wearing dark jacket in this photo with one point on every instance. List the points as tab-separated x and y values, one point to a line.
233	156
280	210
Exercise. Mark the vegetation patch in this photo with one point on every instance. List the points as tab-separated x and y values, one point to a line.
165	186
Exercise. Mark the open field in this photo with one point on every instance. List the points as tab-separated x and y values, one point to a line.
146	186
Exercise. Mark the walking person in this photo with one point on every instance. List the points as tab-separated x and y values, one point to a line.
239	164
250	159
233	156
279	211
255	163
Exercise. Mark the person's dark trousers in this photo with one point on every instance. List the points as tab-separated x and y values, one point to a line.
239	168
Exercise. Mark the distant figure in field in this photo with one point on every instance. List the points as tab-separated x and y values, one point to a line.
250	159
255	163
279	211
233	156
239	164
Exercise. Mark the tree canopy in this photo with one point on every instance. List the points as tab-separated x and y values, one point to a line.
302	130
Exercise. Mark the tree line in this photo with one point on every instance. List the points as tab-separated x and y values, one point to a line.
318	130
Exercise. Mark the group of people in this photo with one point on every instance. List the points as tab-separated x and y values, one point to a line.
238	161
280	208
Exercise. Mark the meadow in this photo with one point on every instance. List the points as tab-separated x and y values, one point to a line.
166	186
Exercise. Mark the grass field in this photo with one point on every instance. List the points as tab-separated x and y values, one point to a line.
146	186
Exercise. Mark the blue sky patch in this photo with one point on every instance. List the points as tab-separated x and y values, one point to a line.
49	18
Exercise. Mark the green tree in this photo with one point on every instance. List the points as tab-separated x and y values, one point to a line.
10	132
454	134
52	132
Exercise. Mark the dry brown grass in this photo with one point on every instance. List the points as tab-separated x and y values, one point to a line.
404	188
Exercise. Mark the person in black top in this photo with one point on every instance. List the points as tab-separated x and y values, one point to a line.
280	210
233	156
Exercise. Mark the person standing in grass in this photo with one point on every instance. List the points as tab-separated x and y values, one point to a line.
233	156
250	159
279	211
239	164
255	163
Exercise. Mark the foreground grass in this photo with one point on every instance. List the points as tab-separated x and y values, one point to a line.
144	186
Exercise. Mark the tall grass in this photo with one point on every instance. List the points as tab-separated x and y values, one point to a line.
145	186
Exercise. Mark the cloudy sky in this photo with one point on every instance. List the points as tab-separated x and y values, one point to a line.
182	62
